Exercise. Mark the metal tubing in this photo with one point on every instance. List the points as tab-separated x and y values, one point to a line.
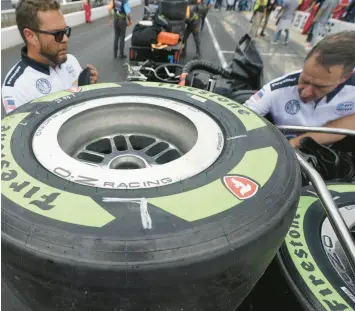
339	226
335	218
326	130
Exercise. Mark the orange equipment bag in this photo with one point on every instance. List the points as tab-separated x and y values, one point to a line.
169	38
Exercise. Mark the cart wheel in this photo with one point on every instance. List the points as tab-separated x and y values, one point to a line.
169	73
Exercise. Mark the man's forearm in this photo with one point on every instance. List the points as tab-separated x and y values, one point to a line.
347	122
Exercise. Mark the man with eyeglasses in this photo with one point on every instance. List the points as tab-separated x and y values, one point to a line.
322	92
45	67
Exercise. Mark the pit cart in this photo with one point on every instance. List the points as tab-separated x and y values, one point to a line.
173	13
168	54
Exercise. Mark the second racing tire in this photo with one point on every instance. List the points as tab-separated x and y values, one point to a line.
141	196
242	96
312	259
174	10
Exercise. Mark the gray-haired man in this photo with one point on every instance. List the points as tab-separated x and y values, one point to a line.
320	93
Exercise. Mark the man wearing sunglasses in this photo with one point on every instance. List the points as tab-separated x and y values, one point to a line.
322	92
45	67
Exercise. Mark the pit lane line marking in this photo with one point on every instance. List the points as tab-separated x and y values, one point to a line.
216	45
128	37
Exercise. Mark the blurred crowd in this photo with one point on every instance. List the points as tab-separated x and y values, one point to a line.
316	25
344	10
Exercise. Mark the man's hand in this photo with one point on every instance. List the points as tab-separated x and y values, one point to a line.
93	74
347	122
129	20
295	143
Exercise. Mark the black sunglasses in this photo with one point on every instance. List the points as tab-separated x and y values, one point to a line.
58	34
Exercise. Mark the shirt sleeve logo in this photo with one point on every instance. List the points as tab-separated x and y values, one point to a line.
9	104
43	86
344	108
292	107
259	94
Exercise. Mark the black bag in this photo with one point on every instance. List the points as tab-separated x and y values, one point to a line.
247	65
145	35
84	77
176	27
160	21
330	164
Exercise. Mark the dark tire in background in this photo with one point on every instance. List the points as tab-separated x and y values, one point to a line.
242	96
198	239
312	259
174	10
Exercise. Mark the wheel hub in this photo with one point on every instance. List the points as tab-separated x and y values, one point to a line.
128	142
128	151
334	250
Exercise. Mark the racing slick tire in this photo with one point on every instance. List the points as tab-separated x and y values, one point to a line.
141	196
312	259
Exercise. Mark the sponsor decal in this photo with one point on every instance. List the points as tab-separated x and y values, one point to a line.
293	107
39	198
242	187
258	95
307	267
89	181
9	80
9	104
75	89
283	81
43	86
344	108
249	119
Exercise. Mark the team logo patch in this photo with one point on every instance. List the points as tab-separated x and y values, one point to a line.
259	94
292	107
71	70
242	187
43	86
74	89
344	108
